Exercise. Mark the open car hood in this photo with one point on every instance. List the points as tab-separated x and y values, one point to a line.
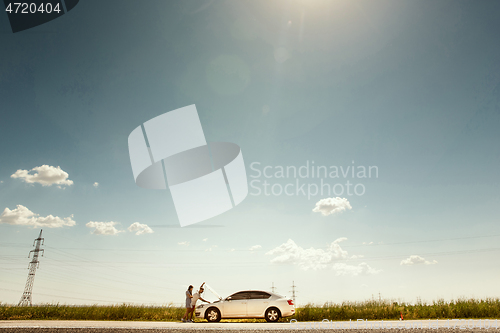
213	291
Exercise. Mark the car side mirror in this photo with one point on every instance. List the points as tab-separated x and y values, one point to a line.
228	299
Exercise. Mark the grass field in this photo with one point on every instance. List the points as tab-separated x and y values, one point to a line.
386	310
371	310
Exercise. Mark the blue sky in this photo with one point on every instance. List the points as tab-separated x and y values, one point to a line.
410	87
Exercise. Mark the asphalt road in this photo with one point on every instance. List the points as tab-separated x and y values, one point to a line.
186	330
56	326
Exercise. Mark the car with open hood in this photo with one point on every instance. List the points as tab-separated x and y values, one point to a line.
247	304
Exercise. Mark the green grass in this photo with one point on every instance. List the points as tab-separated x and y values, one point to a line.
92	312
374	310
371	310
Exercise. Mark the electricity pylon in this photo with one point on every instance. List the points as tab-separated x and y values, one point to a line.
293	293
34	263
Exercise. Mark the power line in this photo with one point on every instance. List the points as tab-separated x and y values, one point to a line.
77	260
107	266
73	278
245	250
424	241
83	299
293	293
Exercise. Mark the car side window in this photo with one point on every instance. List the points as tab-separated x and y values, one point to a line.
239	296
259	295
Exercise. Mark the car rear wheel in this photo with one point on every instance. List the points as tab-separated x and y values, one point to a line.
272	315
212	315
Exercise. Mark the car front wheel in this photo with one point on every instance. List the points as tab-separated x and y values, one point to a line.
213	315
272	315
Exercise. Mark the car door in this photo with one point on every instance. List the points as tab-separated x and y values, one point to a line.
236	305
258	302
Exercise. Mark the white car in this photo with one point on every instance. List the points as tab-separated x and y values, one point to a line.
247	304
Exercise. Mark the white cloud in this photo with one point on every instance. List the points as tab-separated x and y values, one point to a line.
140	228
330	206
210	248
356	256
317	259
232	250
46	175
366	243
360	269
23	216
184	243
255	247
205	239
96	184
1	181
415	260
103	228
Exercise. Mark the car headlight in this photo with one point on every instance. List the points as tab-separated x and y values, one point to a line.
201	306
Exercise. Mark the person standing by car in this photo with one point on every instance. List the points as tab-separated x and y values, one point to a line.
189	295
195	298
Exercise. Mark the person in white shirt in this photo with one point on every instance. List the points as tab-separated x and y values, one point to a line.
195	298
